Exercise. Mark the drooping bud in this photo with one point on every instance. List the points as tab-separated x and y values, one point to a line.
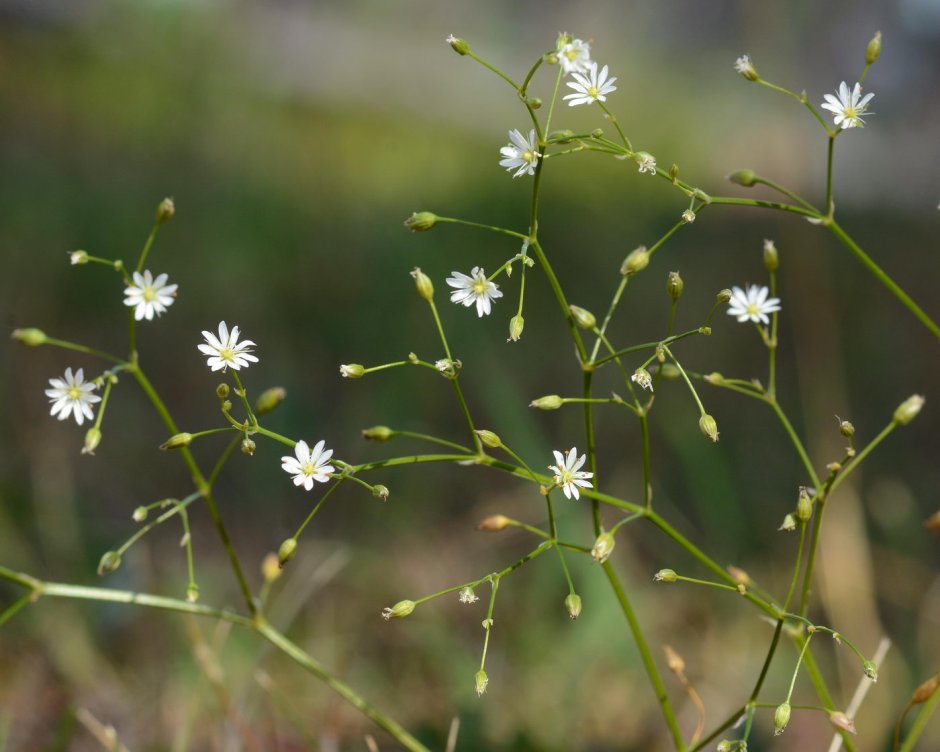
573	605
635	262
548	402
177	441
494	523
423	283
421	221
31	337
270	567
489	438
270	399
781	718
709	427
380	492
222	391
665	575
771	257
804	506
516	324
871	671
352	370
841	721
377	433
582	317
747	178
92	440
165	211
286	551
908	409
674	285
603	547
399	611
459	45
723	296
109	562
480	680
140	514
248	446
873	50
77	258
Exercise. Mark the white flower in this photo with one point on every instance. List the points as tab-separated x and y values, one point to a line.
575	56
520	152
591	87
688	216
467	595
148	295
646	162
72	395
567	472
641	377
308	464
753	305
474	289
848	108
745	67
225	350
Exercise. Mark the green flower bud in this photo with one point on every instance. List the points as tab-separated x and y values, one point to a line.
352	370
270	399
846	429
377	433
781	718
674	285
582	317
77	258
109	562
380	492
222	391
192	593
140	514
573	605
637	260
674	173
399	611
725	745
688	216
669	371
92	440
771	257
423	283
494	523
747	178
421	221
873	51
841	721
489	439
549	402
723	296
286	552
31	337
248	447
165	211
789	524
709	427
480	680
516	324
665	575
603	547
534	102
745	67
459	45
804	506
871	671
270	568
908	409
178	441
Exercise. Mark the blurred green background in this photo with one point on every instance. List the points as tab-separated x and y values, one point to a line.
295	137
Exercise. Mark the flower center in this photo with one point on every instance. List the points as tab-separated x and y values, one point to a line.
226	353
593	92
149	294
479	287
308	469
528	156
752	309
850	113
75	393
571	55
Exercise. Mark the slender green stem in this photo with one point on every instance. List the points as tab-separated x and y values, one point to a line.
764	204
688	381
495	70
329	492
796	567
794	439
624	279
177	507
613	119
801	99
786	192
223	458
799	661
822	691
560	297
647	474
479	225
645	346
10	611
433	440
772	345
709	583
920	723
591	448
551	104
146	250
86	350
829	153
240	391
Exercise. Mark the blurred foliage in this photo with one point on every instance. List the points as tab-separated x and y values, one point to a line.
295	138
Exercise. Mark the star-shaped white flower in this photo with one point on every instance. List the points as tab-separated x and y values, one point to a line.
308	465
849	107
72	395
753	305
520	154
149	296
568	473
225	350
592	87
575	56
474	289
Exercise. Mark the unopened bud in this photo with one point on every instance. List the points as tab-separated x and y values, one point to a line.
177	441
459	45
739	576
140	514
714	378
533	102
109	562
745	67
286	552
248	447
399	611
192	593
31	337
674	173
804	506
548	402
222	390
489	438
380	492
747	178
771	257
165	211
709	427
726	745
873	51
669	371
908	409
421	221
423	283
377	433
846	429
871	671
516	324
925	691
582	317
635	262
352	370
665	575
480	680
674	661
77	258
270	399
789	524
92	440
723	296
573	605
270	567
603	547
841	721
494	523
674	285
688	216
781	718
